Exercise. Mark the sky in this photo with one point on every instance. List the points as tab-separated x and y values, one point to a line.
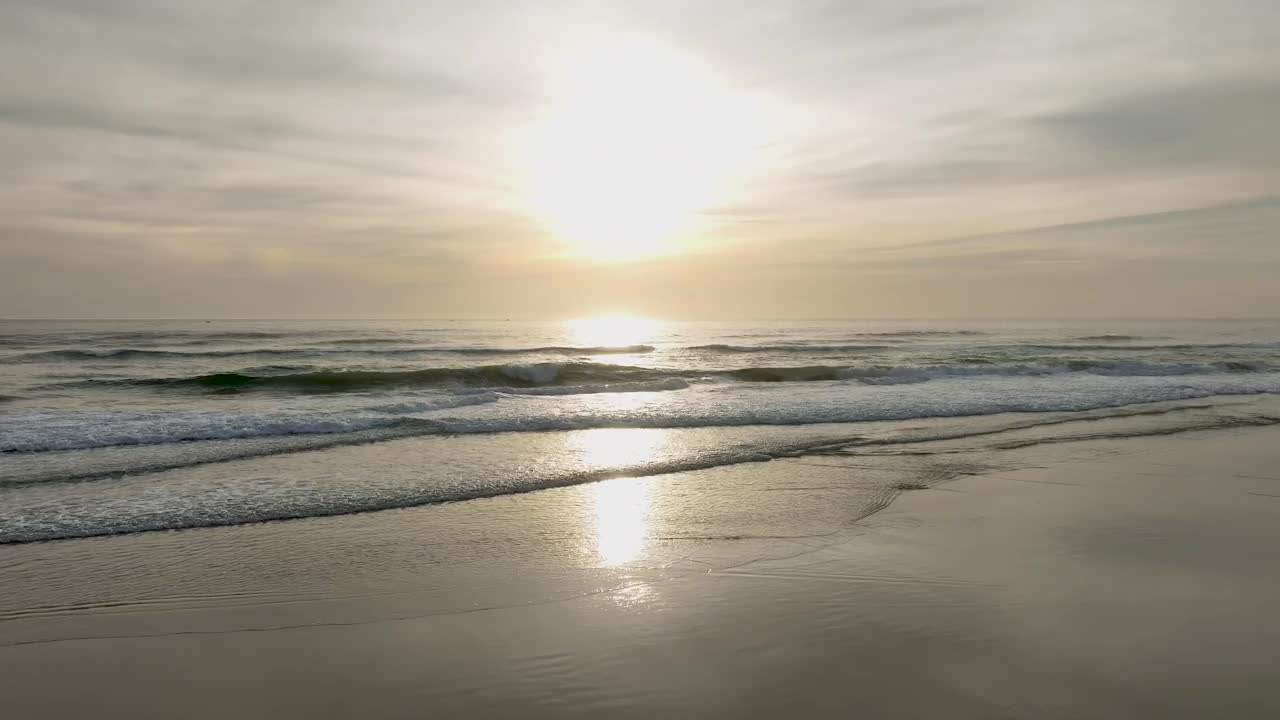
717	159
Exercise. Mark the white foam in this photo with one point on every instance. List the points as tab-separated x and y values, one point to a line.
812	403
895	375
374	478
445	403
622	387
888	396
30	432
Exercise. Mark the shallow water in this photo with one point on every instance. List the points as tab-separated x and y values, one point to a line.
119	427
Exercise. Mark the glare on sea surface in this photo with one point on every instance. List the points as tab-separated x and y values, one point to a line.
622	505
622	508
638	139
617	447
611	331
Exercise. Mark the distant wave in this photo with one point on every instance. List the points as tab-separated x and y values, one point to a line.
194	338
1105	337
921	333
131	353
1148	348
365	341
890	375
118	354
1108	343
554	349
160	337
128	353
785	348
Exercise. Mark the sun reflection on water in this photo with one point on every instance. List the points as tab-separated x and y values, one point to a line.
618	447
611	331
621	505
622	509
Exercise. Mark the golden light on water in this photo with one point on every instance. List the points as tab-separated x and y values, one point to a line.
622	508
611	331
615	447
638	140
622	505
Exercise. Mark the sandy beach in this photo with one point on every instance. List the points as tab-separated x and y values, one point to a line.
395	360
1122	577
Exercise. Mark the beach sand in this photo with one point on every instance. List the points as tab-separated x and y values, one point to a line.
1117	578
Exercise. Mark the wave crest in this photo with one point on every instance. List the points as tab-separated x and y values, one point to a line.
1105	337
922	333
531	374
631	387
147	353
590	374
786	348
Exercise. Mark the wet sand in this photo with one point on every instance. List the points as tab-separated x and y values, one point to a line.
1132	577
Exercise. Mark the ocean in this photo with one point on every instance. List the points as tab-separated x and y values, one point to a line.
116	427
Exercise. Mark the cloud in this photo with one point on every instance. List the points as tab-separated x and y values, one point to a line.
1229	124
1236	232
293	148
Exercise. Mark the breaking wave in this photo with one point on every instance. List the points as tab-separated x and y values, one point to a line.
710	404
529	375
630	387
515	374
422	406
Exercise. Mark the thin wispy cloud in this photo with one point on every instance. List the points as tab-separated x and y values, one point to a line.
352	158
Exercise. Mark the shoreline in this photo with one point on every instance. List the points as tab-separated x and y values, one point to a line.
1100	578
124	490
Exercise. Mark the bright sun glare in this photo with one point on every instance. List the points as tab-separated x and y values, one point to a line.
639	140
611	331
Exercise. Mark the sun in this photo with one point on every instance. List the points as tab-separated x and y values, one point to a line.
636	141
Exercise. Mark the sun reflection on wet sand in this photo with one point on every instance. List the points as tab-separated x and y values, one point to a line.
621	505
622	509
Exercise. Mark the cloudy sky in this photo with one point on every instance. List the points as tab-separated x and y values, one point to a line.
726	159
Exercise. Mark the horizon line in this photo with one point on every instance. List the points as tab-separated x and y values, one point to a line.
1011	318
